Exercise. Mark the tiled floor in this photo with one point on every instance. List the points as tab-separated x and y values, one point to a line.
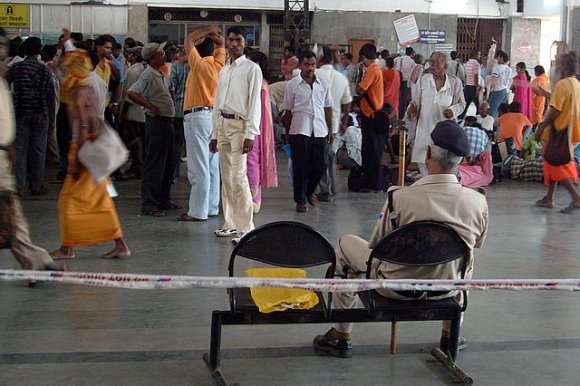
71	335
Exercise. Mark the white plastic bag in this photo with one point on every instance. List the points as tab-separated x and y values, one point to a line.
105	154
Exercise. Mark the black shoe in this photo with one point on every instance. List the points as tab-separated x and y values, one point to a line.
327	345
444	343
324	197
312	199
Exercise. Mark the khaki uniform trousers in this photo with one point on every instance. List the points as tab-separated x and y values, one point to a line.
353	252
236	194
28	255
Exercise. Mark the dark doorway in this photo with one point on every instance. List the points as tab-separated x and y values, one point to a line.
476	34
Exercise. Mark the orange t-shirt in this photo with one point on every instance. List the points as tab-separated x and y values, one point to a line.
372	83
164	69
203	77
511	125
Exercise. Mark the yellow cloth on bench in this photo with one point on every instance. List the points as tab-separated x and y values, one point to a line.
280	299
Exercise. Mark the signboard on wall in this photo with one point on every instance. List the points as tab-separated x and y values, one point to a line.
431	36
407	30
447	48
14	15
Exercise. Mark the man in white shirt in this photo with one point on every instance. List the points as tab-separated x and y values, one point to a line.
439	97
405	64
484	119
501	75
308	122
236	121
341	99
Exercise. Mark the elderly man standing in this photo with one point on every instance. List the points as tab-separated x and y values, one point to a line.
236	121
439	96
308	122
206	56
34	105
436	197
154	92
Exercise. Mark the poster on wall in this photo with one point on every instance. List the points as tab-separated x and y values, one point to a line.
407	30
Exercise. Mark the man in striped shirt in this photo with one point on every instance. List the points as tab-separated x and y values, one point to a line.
34	103
471	89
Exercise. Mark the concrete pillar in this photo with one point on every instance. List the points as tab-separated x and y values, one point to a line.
574	33
138	22
522	41
265	34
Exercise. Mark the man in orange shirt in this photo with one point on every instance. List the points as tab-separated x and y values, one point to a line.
206	55
371	90
513	124
539	84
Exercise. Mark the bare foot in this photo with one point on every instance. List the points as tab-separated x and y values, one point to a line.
117	253
61	254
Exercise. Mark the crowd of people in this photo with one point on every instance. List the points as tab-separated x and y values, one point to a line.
214	101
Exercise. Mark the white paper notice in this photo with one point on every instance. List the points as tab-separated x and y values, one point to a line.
407	30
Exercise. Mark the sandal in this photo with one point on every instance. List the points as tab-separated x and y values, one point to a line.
186	217
570	208
153	213
545	204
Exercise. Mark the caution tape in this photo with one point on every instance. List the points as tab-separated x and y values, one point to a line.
138	281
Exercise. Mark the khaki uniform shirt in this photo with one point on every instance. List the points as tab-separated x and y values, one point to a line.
437	197
7	133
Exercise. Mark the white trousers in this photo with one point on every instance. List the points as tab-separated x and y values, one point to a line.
236	194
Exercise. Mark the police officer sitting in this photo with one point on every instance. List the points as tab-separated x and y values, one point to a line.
436	197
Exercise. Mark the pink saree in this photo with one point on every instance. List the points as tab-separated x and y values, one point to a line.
523	94
261	161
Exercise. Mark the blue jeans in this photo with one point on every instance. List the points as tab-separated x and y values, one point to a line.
496	98
202	165
30	145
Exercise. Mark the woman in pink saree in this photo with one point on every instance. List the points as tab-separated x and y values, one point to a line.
522	89
262	159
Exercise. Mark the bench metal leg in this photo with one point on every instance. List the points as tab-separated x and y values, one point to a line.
454	337
450	365
213	359
393	338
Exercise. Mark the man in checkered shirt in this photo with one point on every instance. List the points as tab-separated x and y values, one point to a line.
478	139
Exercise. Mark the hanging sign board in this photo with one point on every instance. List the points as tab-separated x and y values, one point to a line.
14	15
431	36
407	30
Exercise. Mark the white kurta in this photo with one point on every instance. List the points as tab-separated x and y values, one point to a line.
431	104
